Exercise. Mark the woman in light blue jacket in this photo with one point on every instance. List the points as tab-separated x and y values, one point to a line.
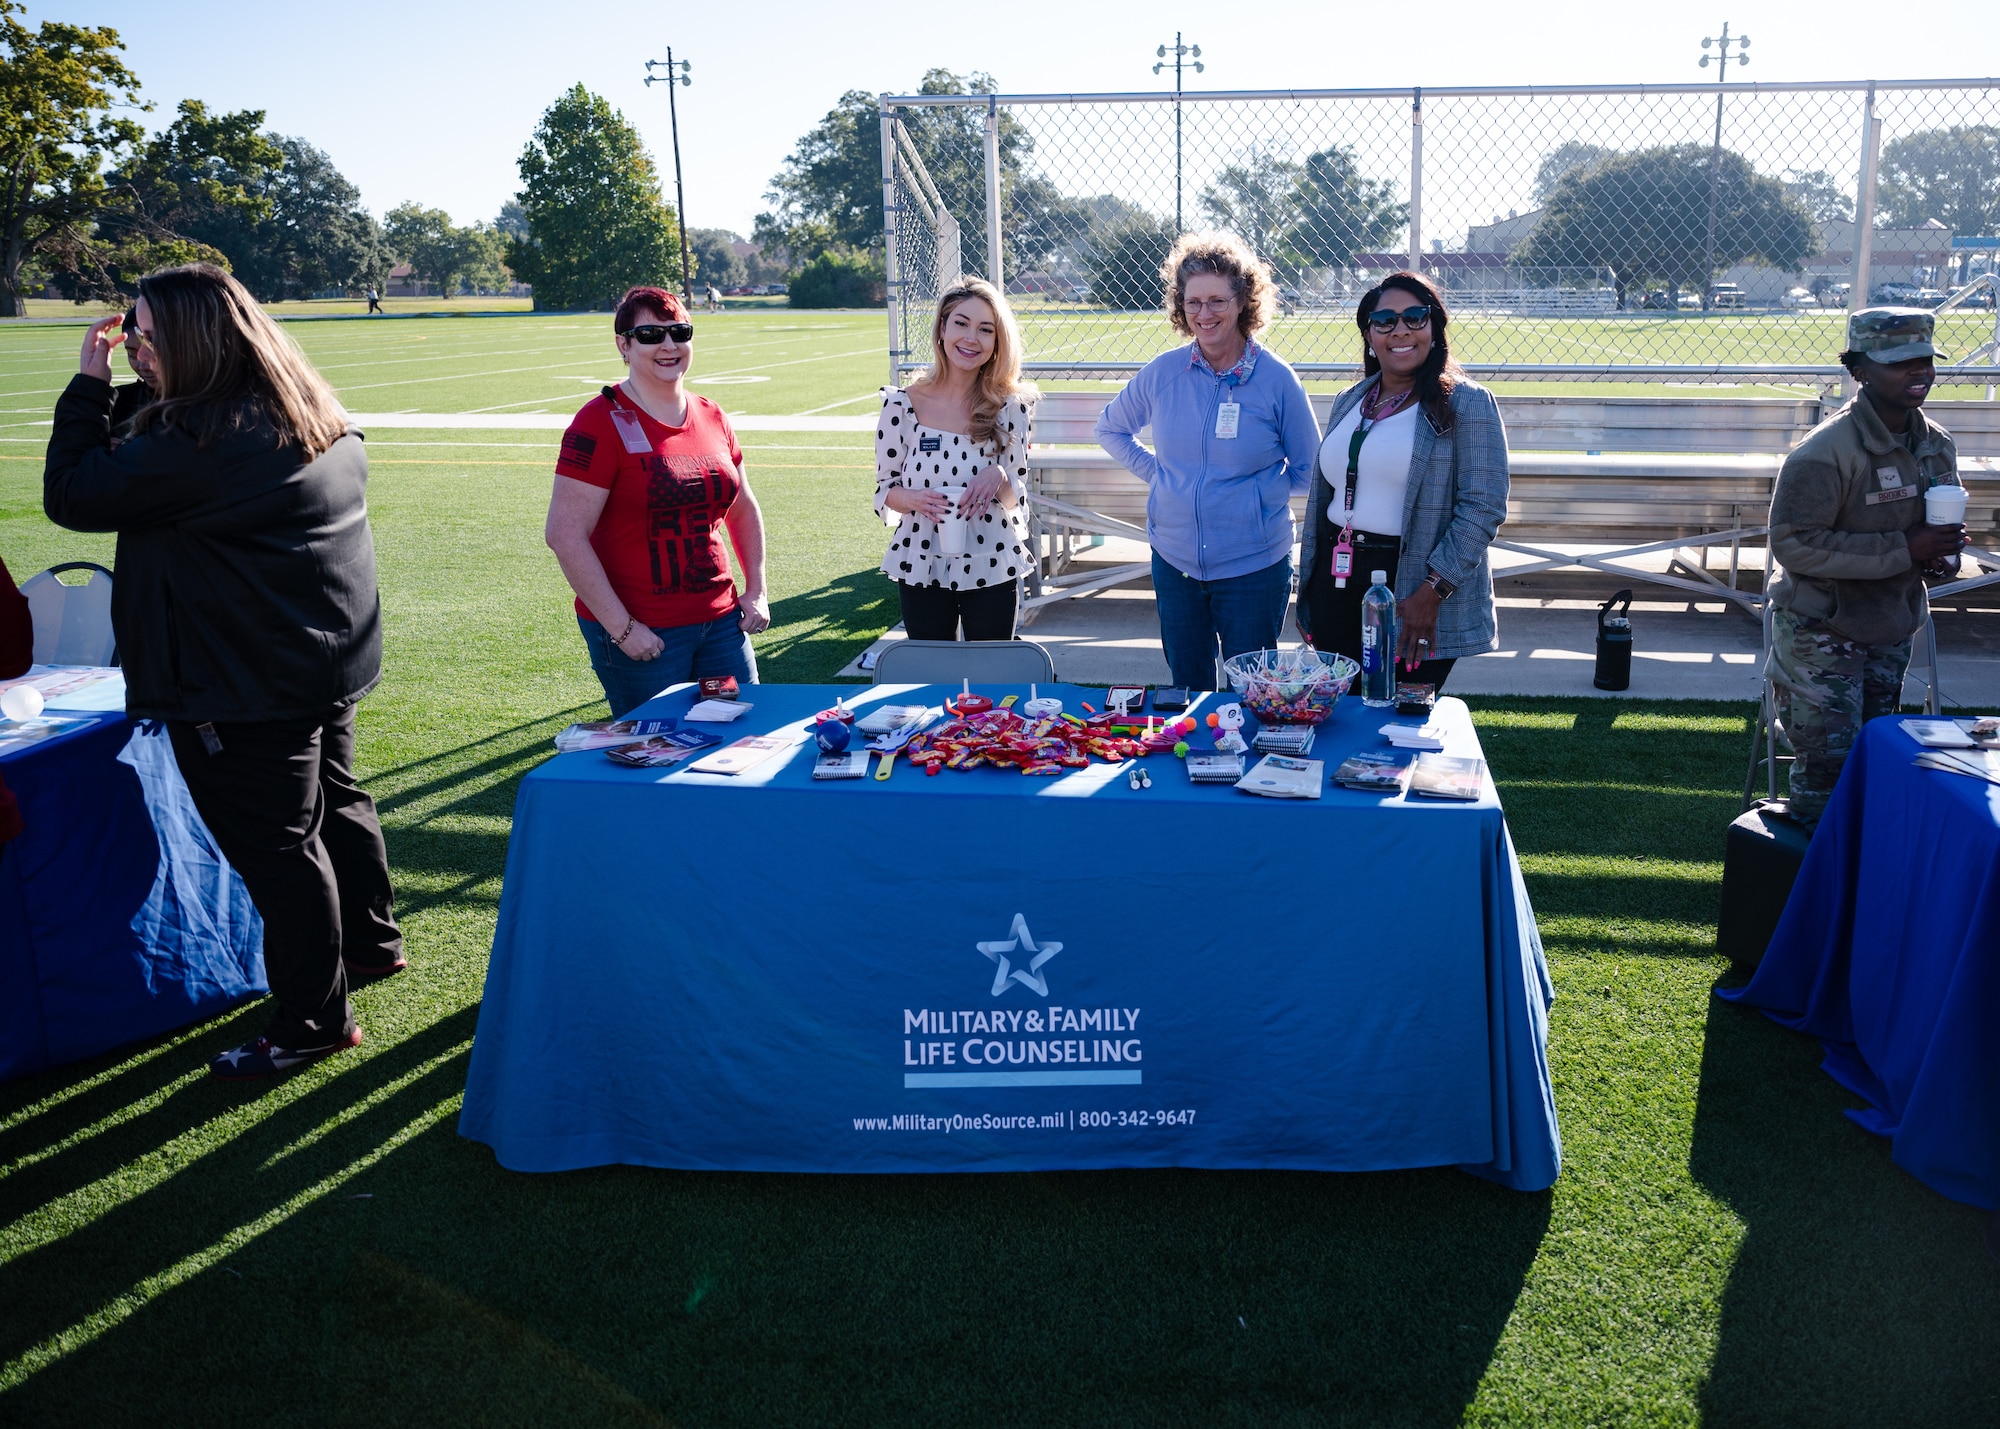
1414	483
1233	440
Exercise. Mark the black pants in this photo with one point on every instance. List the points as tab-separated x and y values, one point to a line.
1335	615
281	800
932	612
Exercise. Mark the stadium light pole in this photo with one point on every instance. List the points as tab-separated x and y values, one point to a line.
676	70
1184	55
1742	42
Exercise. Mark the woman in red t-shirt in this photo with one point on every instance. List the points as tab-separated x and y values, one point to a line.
648	479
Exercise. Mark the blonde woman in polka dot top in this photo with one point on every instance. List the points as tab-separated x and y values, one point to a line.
951	470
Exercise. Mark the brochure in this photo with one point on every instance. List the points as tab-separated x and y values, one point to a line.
1279	776
1975	763
75	687
610	733
1445	776
15	733
887	719
847	764
662	749
747	753
1937	733
1374	771
1215	768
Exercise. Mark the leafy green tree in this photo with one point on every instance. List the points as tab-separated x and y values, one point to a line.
828	195
1565	159
1257	199
1124	260
1951	175
427	240
58	86
318	236
843	278
1341	212
204	180
597	223
714	260
513	220
484	251
1643	216
1820	194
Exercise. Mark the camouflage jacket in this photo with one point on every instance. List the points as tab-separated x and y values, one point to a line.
1844	498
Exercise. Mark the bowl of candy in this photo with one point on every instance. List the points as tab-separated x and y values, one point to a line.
1298	686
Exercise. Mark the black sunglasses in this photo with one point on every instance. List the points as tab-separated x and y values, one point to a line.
1416	318
653	334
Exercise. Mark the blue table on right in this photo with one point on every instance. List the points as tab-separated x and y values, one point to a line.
1889	954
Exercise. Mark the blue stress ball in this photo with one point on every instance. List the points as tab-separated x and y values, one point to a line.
832	735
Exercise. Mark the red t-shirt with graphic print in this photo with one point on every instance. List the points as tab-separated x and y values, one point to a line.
660	534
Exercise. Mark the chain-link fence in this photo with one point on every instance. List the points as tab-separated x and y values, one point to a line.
1699	233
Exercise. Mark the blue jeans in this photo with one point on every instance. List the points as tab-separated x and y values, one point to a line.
1241	612
694	652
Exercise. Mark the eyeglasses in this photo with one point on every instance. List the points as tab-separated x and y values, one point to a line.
1210	305
653	334
1416	319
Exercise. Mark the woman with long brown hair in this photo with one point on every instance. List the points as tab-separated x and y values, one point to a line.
248	621
951	468
1413	483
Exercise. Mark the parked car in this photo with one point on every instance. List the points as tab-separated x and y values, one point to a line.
1690	300
1832	295
1895	293
1798	298
1657	299
1726	295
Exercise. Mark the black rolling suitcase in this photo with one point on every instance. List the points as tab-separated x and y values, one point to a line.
1761	861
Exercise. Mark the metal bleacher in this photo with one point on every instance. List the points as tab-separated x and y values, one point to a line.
1596	483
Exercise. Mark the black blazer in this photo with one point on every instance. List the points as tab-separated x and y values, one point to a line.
245	580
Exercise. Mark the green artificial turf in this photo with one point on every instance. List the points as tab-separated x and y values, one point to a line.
1723	1245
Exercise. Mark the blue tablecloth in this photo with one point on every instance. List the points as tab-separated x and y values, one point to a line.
1889	953
118	918
987	971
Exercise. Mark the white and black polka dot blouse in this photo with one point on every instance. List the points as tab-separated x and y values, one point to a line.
907	453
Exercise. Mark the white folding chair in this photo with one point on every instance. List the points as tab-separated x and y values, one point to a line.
72	622
989	662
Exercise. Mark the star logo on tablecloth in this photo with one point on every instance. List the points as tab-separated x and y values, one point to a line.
1020	940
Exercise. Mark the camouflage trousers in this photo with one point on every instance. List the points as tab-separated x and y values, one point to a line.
1826	688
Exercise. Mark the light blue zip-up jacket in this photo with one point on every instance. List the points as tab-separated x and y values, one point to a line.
1216	507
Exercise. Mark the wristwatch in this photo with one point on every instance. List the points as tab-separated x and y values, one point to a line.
1438	583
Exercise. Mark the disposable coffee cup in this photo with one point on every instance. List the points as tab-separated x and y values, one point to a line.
1945	505
954	533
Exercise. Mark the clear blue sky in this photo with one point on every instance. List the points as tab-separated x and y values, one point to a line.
432	100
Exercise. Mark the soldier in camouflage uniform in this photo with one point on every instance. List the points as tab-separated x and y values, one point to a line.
1847	526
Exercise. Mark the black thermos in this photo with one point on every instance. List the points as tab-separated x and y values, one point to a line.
1614	644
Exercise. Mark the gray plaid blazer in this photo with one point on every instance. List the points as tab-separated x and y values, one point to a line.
1452	507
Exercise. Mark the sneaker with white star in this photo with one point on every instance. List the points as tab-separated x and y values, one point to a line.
264	1058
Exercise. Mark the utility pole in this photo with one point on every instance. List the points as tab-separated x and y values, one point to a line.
1742	42
677	70
1183	55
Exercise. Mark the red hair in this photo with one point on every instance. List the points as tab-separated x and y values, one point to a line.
647	300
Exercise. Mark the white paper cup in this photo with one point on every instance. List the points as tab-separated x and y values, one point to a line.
1945	505
954	532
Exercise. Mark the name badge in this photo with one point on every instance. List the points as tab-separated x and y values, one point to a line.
631	432
1900	493
1227	416
931	443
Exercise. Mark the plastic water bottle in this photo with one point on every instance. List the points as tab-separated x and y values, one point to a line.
1378	642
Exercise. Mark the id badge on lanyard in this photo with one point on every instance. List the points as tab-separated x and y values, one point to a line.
1229	412
1343	548
632	432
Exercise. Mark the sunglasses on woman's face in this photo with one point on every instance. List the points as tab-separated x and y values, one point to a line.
653	334
1416	319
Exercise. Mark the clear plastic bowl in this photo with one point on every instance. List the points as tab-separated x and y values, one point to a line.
1298	686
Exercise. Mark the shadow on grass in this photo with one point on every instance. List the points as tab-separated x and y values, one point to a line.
219	1181
465	1293
1858	1295
813	634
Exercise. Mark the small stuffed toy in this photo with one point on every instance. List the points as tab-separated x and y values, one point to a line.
1227	722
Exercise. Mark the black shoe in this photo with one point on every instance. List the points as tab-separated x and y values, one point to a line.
297	1042
358	973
